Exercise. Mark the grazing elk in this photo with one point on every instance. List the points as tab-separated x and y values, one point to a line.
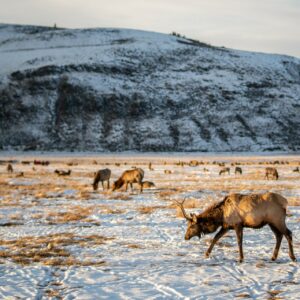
193	163
41	162
9	168
130	176
224	170
271	172
296	170
148	184
63	172
101	175
150	167
237	211
238	170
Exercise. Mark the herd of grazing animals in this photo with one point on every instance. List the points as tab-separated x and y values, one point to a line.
234	212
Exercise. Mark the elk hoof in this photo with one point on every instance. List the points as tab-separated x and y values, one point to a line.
207	254
293	258
273	258
241	260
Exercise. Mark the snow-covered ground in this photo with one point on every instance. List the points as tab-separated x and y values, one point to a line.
61	240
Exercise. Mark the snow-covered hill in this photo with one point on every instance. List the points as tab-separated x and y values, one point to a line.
119	89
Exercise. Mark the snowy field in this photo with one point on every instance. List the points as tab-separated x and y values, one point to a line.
62	240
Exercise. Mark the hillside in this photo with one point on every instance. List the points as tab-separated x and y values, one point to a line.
119	90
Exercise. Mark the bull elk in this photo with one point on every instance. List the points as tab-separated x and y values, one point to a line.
130	176
237	211
271	172
101	175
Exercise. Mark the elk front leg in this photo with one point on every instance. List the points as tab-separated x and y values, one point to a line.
220	233
108	184
102	185
239	236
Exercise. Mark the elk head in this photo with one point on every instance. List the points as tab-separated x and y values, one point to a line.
95	186
117	184
194	225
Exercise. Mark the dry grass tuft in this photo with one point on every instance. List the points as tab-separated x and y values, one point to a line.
74	214
146	210
243	295
49	250
294	201
134	246
166	194
108	210
120	196
150	209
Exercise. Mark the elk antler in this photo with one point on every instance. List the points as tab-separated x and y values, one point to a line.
180	204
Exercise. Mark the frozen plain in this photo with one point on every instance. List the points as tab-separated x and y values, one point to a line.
61	240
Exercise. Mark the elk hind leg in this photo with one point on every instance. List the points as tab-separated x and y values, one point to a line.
278	236
288	236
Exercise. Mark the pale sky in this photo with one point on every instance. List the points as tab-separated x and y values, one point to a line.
256	25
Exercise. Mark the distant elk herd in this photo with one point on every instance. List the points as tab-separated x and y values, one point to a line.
136	175
234	212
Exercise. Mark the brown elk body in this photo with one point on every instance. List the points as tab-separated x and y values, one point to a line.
130	176
193	163
224	170
101	175
237	211
238	170
271	172
148	184
63	172
296	170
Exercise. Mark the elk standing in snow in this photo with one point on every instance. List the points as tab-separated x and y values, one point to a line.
271	172
148	184
237	211
101	175
63	172
130	176
224	170
9	168
238	170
